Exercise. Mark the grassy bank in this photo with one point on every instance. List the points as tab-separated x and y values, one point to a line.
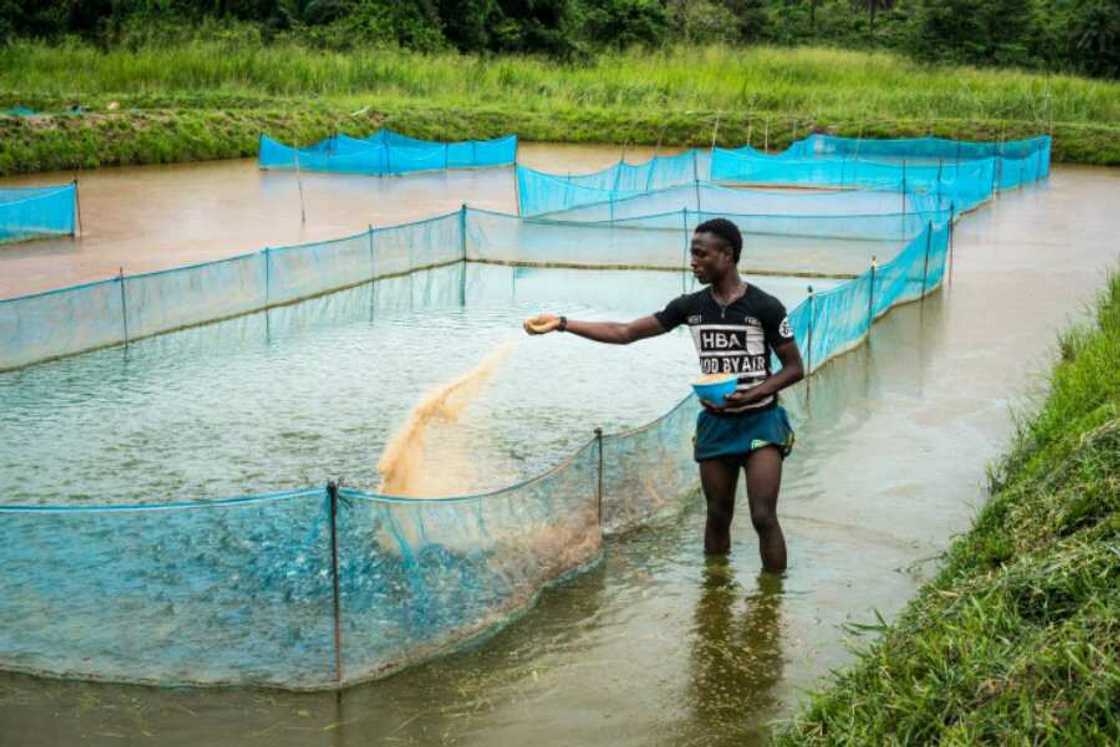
1017	641
208	100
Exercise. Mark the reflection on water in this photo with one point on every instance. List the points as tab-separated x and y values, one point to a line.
736	657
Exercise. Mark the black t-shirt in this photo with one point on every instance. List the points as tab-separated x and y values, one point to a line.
734	339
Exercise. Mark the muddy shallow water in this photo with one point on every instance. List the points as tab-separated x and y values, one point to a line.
658	646
249	406
144	218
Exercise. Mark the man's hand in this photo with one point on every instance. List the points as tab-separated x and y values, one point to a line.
735	399
542	324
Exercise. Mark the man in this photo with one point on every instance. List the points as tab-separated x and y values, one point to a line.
735	326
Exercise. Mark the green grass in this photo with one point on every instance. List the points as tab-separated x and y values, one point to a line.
802	82
1017	641
675	96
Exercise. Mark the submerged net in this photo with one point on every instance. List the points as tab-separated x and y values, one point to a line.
387	152
321	587
36	212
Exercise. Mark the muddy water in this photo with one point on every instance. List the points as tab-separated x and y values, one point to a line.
657	646
241	406
155	217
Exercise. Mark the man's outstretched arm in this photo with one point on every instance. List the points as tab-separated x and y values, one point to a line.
614	333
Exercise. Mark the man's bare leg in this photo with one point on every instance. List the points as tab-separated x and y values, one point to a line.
718	479
764	479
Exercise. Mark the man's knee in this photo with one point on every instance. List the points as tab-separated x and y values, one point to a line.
764	520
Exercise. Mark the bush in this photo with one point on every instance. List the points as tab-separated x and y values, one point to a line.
1094	37
703	22
626	23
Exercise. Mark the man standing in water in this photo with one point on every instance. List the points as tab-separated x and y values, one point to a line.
734	326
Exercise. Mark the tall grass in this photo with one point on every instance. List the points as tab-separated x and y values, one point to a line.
806	82
1018	639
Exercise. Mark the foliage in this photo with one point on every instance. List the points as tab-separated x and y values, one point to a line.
626	23
1094	37
1059	35
998	32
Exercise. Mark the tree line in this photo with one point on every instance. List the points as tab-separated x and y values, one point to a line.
1062	35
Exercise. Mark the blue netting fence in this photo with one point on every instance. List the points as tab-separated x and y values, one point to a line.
587	204
918	149
950	171
320	587
386	153
126	308
37	212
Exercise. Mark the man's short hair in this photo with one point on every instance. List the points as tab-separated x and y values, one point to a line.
727	231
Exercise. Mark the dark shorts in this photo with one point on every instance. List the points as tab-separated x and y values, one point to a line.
719	436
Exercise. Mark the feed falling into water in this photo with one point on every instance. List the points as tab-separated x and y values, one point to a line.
403	463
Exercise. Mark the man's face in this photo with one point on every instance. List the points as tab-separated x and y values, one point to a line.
711	257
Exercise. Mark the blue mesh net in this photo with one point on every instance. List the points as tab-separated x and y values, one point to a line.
47	325
387	152
917	149
242	591
419	575
964	173
944	171
204	593
34	212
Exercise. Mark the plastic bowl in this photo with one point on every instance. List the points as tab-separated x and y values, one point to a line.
715	392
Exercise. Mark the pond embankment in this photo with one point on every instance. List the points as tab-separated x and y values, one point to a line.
1017	640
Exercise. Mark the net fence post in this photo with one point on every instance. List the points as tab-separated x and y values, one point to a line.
684	251
77	207
696	180
925	267
372	274
996	159
516	186
299	186
871	297
124	306
940	166
904	201
904	187
809	348
332	493
463	251
267	291
599	479
766	135
952	217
